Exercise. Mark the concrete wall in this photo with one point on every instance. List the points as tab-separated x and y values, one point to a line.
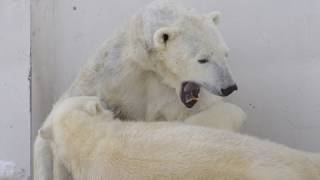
14	83
274	54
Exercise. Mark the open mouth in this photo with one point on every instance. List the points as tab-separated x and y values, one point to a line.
189	93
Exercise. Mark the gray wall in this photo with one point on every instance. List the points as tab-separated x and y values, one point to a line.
274	55
14	83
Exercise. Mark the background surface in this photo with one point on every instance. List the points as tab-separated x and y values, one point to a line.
14	83
275	57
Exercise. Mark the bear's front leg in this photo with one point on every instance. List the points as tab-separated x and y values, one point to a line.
222	116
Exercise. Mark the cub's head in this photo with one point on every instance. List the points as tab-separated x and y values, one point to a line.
187	51
67	114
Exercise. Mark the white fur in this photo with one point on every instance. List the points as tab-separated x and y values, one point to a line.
139	76
93	145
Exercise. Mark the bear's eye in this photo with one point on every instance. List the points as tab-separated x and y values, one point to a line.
202	61
165	37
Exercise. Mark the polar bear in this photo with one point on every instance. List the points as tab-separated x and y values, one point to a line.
93	145
168	63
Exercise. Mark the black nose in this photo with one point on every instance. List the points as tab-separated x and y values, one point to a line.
227	91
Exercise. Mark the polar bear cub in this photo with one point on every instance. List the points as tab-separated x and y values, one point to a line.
93	145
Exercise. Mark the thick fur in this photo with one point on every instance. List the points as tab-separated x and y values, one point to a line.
139	75
94	146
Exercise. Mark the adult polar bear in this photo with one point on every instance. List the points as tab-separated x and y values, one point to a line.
153	70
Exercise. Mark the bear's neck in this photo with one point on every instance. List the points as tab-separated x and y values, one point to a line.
127	93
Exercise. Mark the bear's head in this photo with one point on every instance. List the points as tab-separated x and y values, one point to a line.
187	51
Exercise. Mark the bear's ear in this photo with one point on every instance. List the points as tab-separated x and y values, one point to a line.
163	35
93	107
215	17
45	132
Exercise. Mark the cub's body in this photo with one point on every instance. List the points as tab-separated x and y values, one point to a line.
92	145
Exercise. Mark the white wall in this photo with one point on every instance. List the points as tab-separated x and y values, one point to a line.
274	54
14	83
